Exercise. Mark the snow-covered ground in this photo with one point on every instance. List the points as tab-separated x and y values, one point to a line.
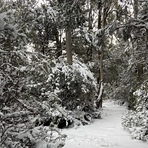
103	133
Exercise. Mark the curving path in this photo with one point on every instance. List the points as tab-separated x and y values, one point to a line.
103	133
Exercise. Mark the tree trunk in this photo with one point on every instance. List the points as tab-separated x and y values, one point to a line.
101	65
99	18
68	46
90	19
135	8
90	27
104	17
139	65
139	71
100	71
100	92
58	43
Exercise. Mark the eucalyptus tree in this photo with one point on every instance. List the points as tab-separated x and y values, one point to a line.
71	17
105	18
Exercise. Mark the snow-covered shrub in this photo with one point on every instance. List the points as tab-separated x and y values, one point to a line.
33	93
137	121
36	90
20	106
12	56
75	85
26	135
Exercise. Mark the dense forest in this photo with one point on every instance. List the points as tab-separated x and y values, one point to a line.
60	59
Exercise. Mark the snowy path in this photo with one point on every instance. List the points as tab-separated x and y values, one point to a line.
103	133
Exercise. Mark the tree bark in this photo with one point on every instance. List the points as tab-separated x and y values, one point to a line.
139	71
139	65
99	18
68	46
100	71
101	65
90	17
135	8
90	27
103	16
58	43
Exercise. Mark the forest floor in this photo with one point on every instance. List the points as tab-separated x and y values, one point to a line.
103	133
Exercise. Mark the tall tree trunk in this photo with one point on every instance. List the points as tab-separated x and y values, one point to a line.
104	17
101	64
101	53
100	71
100	89
135	8
68	46
90	19
58	43
90	27
139	65
99	18
140	71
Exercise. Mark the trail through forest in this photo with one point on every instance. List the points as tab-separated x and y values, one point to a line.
103	133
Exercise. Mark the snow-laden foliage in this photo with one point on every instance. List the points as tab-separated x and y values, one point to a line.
43	27
75	85
19	108
36	91
22	107
137	121
71	13
11	35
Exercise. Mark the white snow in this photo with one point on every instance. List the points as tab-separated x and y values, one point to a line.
103	133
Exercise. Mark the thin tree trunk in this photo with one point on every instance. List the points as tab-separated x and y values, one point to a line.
104	17
140	71
99	18
90	17
68	46
139	65
100	70
101	64
58	43
100	92
90	27
135	8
